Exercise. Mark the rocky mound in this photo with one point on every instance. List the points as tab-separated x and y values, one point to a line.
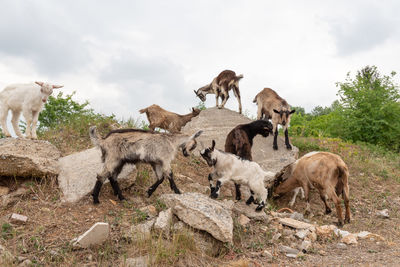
217	123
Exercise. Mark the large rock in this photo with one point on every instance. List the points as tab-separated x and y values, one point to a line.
203	213
28	158
217	123
78	173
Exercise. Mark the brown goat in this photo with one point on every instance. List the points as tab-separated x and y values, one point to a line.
159	117
326	172
220	86
273	107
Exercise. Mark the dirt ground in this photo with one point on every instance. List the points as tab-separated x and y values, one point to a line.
45	238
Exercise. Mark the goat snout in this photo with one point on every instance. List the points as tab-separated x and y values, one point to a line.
44	100
283	123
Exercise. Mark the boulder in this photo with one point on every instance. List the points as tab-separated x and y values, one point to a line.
28	158
217	123
78	173
140	231
203	213
97	234
294	223
349	239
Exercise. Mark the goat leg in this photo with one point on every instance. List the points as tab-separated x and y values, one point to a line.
238	193
210	181
260	206
154	186
96	192
117	190
172	184
275	144
288	145
215	192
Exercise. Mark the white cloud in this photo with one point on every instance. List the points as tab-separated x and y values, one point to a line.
125	55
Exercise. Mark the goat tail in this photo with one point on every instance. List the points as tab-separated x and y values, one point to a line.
342	179
240	76
255	99
94	137
143	110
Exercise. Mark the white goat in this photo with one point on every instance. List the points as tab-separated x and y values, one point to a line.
25	98
230	167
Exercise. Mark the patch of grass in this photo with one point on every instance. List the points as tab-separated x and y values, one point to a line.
160	205
7	231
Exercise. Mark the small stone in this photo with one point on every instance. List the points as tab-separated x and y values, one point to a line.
288	250
383	214
341	245
25	263
267	254
4	190
325	230
294	223
137	262
363	234
312	236
341	233
21	258
305	246
243	220
276	236
349	239
179	225
18	218
301	234
287	232
163	221
97	234
322	252
141	230
90	257
297	216
149	210
290	255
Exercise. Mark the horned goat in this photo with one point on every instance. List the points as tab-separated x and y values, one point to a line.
240	140
28	99
132	146
273	107
229	167
326	172
220	86
159	117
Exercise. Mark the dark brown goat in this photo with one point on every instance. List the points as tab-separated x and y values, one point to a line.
220	86
240	140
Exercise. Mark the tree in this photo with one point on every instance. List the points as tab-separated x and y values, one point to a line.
369	108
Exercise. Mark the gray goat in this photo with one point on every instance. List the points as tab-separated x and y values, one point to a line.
132	146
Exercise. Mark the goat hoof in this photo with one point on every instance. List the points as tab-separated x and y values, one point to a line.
347	220
121	197
96	202
214	196
327	211
340	224
289	147
275	147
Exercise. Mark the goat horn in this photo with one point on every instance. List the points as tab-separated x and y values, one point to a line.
57	86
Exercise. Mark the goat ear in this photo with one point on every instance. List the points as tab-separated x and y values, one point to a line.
212	145
192	109
195	92
39	83
57	86
292	111
276	111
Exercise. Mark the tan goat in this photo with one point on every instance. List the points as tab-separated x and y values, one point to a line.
159	117
326	172
220	86
273	107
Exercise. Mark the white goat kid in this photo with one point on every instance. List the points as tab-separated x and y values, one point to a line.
229	167
28	99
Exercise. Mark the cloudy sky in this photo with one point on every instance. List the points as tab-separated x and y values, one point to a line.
125	55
